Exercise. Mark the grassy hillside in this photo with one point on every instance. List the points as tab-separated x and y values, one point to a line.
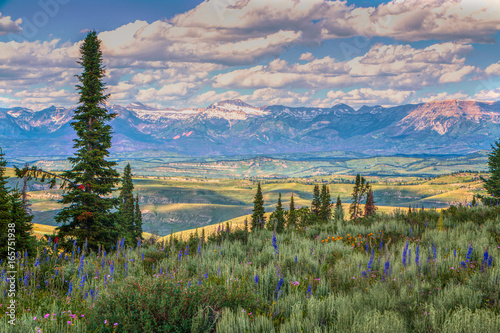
399	273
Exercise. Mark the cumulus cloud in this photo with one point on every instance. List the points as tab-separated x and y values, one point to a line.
8	26
368	96
307	56
399	67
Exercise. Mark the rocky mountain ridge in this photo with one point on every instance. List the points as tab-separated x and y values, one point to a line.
233	127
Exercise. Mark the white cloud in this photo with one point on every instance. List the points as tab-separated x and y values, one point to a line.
368	96
7	25
399	67
488	95
307	56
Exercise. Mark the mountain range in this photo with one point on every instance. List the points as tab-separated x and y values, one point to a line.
233	127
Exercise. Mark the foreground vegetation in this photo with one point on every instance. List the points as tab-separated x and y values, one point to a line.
404	272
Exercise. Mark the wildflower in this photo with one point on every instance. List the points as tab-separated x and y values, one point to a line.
490	260
308	290
417	254
295	258
47	316
485	257
405	250
275	243
105	321
256	278
69	322
469	253
452	267
386	267
463	264
370	262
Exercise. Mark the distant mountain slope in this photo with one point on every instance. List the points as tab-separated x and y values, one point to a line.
233	127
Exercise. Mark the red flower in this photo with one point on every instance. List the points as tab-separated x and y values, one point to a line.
81	187
56	240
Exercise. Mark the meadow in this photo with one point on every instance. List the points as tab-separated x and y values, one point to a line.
174	204
398	272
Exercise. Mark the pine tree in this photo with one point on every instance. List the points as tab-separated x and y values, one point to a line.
370	207
126	214
292	215
359	190
474	202
339	211
137	220
492	184
353	209
326	204
316	203
258	218
279	216
25	240
5	207
88	215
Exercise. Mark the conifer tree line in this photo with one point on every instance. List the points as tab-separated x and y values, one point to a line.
91	215
14	215
321	210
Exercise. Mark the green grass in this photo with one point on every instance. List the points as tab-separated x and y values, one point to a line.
317	280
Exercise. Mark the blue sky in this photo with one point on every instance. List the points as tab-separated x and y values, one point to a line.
189	53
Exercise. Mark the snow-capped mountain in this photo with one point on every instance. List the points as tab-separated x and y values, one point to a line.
234	127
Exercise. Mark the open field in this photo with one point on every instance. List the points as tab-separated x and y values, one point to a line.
394	273
173	204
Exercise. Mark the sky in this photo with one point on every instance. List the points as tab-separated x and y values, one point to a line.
316	53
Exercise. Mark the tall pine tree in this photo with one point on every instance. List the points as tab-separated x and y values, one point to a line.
492	184
292	214
258	218
339	211
137	219
13	216
279	216
25	240
126	214
5	207
326	204
316	203
358	192
370	207
88	215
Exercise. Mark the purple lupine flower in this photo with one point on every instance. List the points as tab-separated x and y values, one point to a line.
295	258
381	244
469	253
256	278
485	257
187	250
142	257
70	289
206	277
126	267
199	248
386	267
277	291
370	262
490	261
417	254
309	291
275	243
180	254
405	251
455	253
366	247
434	249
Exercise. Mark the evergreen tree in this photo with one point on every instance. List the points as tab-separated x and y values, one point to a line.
326	204
279	216
316	203
5	207
88	215
492	184
126	214
137	220
258	218
474	202
353	209
14	219
359	190
292	215
370	207
25	240
339	211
